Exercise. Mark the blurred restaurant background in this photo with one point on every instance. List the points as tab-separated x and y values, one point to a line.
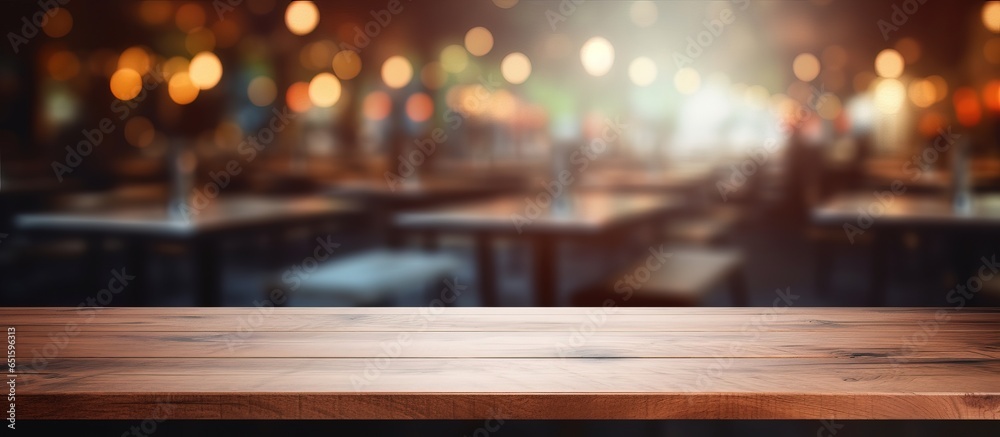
500	153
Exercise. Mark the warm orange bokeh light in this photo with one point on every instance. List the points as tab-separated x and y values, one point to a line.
991	95
967	108
59	23
182	89
190	16
346	64
419	107
126	84
297	97
377	106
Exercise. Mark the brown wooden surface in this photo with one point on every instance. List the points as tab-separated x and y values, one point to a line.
513	363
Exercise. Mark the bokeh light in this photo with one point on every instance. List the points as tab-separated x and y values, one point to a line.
889	64
433	76
806	67
967	109
515	68
297	97
174	65
155	11
478	41
301	17
346	64
991	95
597	56
126	84
136	59
376	106
940	87
922	93
324	90
687	80
642	71
505	4
262	91
419	107
205	70
397	72
991	16
454	59
890	94
181	89
63	65
59	23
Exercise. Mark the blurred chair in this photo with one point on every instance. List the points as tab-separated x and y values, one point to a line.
687	277
377	277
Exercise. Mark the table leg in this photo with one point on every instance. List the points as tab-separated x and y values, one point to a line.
546	271
208	277
486	269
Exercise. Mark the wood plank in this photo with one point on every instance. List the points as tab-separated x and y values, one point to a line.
289	344
511	363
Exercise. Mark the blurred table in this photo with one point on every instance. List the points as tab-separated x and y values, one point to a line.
682	181
574	214
385	201
141	226
889	217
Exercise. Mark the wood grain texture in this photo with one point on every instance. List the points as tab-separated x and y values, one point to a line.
510	363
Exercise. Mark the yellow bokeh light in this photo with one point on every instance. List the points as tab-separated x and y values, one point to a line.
324	90
136	59
478	41
126	83
923	93
376	106
991	16
433	76
515	68
63	65
297	97
889	96
346	64
419	107
205	70
59	23
454	59
597	56
397	72
687	80
642	71
181	89
889	64
190	16
262	91
301	17
806	67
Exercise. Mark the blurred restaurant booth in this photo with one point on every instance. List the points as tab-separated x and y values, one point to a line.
500	153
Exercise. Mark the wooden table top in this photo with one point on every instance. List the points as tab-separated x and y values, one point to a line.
221	214
572	212
511	363
908	209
